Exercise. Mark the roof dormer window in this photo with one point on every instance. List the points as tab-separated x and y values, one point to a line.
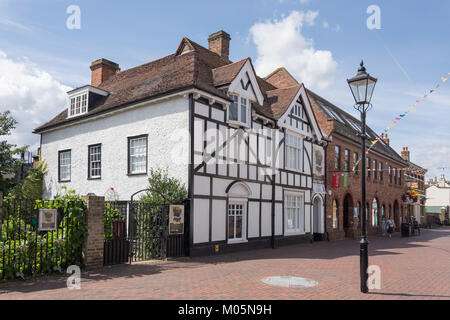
84	99
78	104
238	112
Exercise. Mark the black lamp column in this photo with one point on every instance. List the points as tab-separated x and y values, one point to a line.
362	86
364	243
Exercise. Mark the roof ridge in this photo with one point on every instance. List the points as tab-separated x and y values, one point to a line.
299	85
280	69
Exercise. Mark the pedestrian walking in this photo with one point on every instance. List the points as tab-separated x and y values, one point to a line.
416	227
390	226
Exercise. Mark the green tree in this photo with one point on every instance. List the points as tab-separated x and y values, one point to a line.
31	187
9	162
164	189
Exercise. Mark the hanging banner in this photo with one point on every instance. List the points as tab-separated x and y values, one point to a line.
336	181
344	181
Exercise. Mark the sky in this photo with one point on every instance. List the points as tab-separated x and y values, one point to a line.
321	42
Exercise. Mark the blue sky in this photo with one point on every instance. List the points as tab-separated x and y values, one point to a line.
41	57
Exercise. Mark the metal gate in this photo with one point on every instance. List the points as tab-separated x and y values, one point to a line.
141	232
148	232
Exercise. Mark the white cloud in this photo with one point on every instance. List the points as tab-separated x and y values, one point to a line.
32	95
325	24
281	43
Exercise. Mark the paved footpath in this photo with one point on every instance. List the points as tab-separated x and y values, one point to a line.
412	268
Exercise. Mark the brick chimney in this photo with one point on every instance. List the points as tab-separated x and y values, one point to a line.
219	43
385	139
405	153
102	70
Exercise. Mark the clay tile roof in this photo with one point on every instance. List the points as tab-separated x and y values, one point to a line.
197	67
163	76
348	126
281	78
280	99
225	75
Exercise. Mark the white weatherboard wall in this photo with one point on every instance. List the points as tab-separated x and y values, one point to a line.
167	126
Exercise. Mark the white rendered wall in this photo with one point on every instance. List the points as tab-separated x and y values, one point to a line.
438	196
167	126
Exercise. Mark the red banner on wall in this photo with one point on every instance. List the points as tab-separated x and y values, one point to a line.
336	183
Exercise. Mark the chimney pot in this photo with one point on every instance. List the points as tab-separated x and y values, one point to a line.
219	43
385	138
405	154
102	70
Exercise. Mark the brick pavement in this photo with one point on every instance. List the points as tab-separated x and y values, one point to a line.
412	268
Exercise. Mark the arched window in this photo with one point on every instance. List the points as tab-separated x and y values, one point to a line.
383	212
374	213
335	214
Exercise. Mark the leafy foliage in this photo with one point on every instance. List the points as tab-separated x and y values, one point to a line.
151	213
164	189
31	187
9	163
26	251
112	213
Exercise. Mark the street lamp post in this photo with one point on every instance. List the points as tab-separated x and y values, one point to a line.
362	86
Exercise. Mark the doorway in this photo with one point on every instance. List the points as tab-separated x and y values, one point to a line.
317	218
348	216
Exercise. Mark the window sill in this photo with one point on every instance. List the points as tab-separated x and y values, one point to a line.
236	241
137	174
64	181
238	124
95	178
290	234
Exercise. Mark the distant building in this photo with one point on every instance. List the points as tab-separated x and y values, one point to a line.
415	180
438	198
385	178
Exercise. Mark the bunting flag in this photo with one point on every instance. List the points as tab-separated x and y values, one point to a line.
402	169
396	121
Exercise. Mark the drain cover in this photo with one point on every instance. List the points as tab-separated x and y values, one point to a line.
289	282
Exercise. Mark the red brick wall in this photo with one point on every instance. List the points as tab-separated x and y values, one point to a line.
385	192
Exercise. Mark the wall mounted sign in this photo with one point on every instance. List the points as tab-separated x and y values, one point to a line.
176	219
48	219
319	161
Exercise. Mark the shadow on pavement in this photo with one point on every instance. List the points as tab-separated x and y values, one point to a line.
408	295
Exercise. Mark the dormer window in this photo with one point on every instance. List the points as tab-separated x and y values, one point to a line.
238	112
83	99
78	105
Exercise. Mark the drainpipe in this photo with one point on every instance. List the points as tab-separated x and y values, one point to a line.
273	187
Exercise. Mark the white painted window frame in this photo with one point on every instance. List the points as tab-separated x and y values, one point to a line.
239	121
297	148
135	156
243	202
91	161
84	97
300	206
68	166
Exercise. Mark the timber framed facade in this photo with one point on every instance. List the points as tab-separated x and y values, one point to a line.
249	149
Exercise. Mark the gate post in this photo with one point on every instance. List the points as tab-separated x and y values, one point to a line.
94	243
